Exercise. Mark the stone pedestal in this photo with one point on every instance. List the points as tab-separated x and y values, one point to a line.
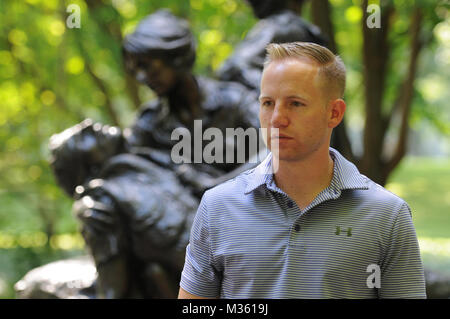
64	279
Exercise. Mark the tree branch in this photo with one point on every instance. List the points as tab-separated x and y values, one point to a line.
113	29
405	97
60	75
99	83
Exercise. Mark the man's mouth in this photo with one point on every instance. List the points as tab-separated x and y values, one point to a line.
281	137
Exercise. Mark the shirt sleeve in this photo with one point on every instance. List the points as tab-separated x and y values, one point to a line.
402	274
199	276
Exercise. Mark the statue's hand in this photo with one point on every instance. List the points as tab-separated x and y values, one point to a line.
100	226
96	216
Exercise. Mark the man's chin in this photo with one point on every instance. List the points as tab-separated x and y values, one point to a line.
285	155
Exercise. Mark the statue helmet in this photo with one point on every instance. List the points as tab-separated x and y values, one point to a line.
165	36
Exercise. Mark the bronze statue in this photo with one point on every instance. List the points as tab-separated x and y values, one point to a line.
161	53
134	204
278	23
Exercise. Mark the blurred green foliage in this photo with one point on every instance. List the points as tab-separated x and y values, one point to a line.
52	77
425	184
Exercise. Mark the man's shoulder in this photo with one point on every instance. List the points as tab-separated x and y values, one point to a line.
361	186
381	197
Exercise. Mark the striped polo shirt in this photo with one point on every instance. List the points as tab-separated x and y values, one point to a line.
354	240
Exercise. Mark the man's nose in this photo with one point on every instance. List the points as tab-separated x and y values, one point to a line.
280	117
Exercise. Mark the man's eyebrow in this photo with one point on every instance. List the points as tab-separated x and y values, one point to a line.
295	96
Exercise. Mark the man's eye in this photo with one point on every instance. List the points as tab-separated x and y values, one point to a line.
266	103
297	103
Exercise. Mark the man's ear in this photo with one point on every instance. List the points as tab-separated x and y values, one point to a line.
336	112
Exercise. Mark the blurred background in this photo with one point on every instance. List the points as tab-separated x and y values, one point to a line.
53	76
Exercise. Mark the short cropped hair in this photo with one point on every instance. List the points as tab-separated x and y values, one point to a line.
332	67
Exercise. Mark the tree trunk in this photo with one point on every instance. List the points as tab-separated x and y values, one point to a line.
375	57
321	17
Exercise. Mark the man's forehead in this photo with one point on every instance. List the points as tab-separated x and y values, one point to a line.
297	67
303	60
290	74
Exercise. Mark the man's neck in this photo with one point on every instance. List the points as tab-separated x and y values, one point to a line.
304	179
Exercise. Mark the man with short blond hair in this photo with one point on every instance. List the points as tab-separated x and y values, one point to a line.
304	223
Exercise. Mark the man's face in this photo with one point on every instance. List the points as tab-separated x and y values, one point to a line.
292	100
156	74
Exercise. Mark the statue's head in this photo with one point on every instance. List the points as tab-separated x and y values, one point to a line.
78	152
161	47
264	8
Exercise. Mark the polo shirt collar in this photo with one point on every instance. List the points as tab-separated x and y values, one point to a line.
260	175
345	175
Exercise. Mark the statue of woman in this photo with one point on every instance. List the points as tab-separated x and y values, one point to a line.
161	53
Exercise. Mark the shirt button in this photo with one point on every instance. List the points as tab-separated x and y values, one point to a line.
290	204
297	227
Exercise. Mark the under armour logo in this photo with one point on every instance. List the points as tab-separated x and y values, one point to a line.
338	231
